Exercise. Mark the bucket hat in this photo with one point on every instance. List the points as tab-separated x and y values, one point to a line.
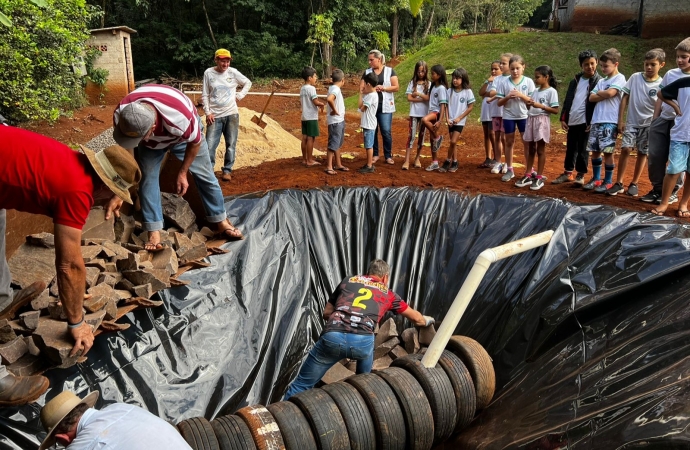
57	409
117	168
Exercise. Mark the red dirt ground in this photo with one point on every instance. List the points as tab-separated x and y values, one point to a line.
280	174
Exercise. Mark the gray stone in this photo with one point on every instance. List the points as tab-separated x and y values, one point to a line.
7	334
136	240
194	253
158	278
92	274
13	350
30	319
30	263
46	240
336	373
426	335
398	352
123	293
97	263
95	303
382	363
97	227
125	284
124	226
54	288
106	253
208	234
28	365
165	259
95	319
110	310
387	330
31	345
110	267
385	348
144	291
130	263
198	238
182	243
411	340
90	252
56	311
42	301
177	211
55	342
144	265
104	290
118	250
109	278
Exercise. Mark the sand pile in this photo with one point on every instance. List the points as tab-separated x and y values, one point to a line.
256	145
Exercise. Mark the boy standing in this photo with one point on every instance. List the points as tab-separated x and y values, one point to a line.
310	115
576	118
660	129
368	104
640	92
679	151
336	122
220	97
602	137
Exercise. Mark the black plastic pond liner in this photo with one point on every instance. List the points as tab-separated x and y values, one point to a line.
590	335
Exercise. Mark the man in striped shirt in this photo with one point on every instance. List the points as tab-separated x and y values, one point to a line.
153	120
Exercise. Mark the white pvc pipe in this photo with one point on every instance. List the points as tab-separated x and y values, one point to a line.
469	287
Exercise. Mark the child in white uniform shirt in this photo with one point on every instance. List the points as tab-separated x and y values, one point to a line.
460	104
368	103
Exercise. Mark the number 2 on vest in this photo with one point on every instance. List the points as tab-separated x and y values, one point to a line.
366	295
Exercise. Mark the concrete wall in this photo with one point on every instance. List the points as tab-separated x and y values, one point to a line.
116	57
666	18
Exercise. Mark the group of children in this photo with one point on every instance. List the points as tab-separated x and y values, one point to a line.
643	109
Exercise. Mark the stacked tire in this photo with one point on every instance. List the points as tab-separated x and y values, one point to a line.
406	406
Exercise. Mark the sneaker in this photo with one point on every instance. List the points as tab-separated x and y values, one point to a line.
453	167
497	168
509	175
433	166
445	167
366	169
493	163
537	184
603	188
672	199
591	184
651	197
563	178
524	181
579	179
435	145
632	190
504	169
615	189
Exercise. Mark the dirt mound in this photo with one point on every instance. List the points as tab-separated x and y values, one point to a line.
256	145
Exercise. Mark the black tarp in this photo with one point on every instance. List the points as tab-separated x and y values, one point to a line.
589	335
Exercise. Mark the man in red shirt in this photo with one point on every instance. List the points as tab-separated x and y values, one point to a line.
39	175
351	314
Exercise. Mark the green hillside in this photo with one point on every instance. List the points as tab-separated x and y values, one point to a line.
559	50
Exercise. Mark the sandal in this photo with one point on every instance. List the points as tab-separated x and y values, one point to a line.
231	234
656	212
330	171
683	214
390	161
405	166
342	169
154	248
417	164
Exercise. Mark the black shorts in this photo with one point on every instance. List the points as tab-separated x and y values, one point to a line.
457	128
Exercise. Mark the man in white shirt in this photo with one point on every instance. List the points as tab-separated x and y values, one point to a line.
75	424
220	97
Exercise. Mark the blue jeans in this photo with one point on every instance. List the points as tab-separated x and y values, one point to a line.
328	350
384	123
149	161
227	126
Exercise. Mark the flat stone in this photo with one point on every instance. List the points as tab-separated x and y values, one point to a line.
351	366
336	373
159	279
123	294
181	242
398	352
92	274
94	319
31	345
28	365
54	288
42	301
124	284
145	255
97	227
191	229
46	240
387	330
411	339
124	226
144	265
136	240
56	311
30	263
90	252
106	253
110	267
206	231
385	348
112	326
30	319
165	259
98	263
109	278
426	335
192	254
118	250
13	350
382	363
91	241
143	302
55	342
144	290
95	303
103	289
177	211
19	328
197	238
7	333
129	263
110	309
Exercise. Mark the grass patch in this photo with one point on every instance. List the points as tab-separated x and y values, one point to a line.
559	50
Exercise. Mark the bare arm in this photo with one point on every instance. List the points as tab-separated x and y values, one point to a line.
466	113
503	101
328	310
189	154
657	105
71	278
621	112
331	102
394	87
414	316
483	90
603	95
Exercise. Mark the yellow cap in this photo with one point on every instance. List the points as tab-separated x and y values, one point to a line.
222	53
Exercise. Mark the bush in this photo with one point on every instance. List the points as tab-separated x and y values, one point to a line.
37	54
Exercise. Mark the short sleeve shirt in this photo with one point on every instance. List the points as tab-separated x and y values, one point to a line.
578	109
671	76
360	302
515	109
417	109
548	97
458	102
39	175
339	104
371	101
606	111
496	110
680	92
642	99
177	121
437	96
306	96
486	107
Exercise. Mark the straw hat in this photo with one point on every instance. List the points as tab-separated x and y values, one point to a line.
57	409
117	168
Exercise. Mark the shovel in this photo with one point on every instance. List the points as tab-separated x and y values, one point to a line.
258	120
